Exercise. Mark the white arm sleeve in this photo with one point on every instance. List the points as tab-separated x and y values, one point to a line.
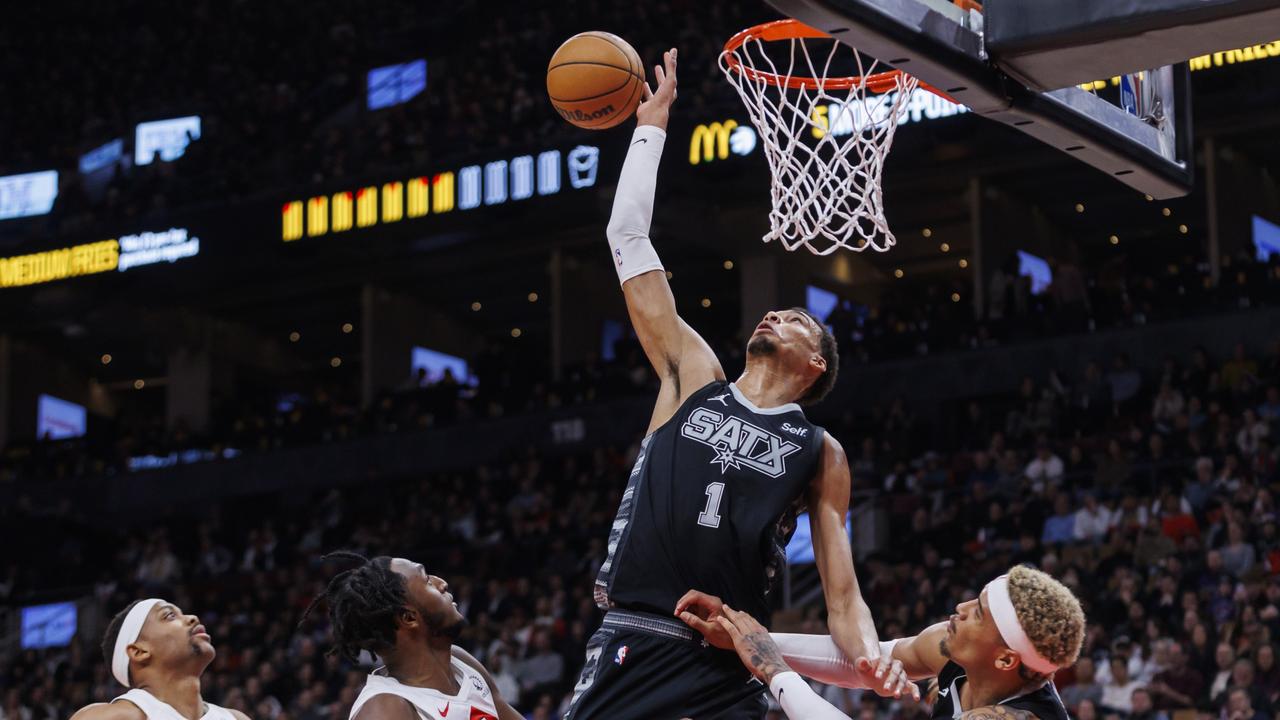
818	657
628	229
799	701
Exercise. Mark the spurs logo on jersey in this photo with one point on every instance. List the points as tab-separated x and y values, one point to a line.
738	443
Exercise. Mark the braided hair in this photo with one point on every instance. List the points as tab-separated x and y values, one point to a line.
363	604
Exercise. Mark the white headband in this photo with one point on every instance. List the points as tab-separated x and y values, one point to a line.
1010	629
130	629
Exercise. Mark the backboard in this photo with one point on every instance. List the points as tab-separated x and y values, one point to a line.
948	45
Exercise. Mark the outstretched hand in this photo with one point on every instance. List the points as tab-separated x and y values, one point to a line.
655	108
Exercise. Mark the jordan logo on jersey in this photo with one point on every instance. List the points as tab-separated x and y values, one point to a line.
738	443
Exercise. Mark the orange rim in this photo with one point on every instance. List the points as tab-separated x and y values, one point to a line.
792	29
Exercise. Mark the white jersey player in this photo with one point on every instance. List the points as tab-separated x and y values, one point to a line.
392	608
159	653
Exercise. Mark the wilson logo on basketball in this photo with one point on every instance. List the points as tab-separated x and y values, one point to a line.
579	116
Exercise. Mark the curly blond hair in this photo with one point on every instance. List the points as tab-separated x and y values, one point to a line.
1049	613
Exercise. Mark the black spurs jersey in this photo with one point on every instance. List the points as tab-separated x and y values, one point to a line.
1043	702
711	504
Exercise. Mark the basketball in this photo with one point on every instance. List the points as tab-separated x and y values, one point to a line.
595	80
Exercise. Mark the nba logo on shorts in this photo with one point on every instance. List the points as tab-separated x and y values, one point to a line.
621	657
618	254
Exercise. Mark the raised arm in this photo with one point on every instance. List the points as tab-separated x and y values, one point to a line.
818	657
683	360
505	711
848	617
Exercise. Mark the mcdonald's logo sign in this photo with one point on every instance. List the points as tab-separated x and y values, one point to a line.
714	141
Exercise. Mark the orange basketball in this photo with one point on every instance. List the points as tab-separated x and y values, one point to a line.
595	80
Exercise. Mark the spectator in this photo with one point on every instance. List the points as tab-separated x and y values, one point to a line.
1238	556
1143	709
1046	469
1179	685
1125	382
1092	520
13	708
1060	527
1201	488
543	668
1239	706
1252	432
1085	686
1169	404
1117	693
507	684
1269	410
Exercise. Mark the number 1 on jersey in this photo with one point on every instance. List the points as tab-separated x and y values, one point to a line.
710	515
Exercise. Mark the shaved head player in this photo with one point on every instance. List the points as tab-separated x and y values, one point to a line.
722	472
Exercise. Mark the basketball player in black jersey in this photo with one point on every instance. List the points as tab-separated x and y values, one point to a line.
721	474
993	659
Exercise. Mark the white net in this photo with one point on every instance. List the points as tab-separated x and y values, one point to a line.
826	144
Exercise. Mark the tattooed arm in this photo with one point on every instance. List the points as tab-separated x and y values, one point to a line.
762	657
997	712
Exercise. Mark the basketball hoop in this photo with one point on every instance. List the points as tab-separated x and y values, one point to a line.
826	138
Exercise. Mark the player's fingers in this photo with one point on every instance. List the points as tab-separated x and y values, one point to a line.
730	628
884	666
891	680
647	92
686	600
660	74
697	623
700	603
